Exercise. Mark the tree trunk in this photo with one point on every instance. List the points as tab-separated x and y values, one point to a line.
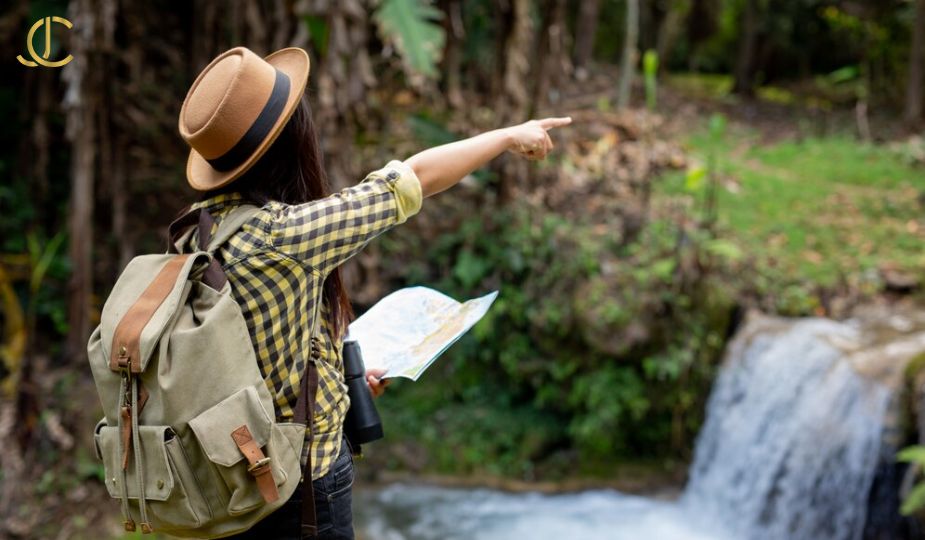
585	31
513	96
120	186
512	100
81	131
670	29
342	77
452	52
256	29
551	52
628	63
914	90
745	63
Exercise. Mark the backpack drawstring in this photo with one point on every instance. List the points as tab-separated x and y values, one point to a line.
128	382
127	520
139	468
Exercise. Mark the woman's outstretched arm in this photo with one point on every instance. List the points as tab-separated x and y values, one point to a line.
441	167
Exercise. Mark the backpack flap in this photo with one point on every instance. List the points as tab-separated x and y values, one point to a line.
215	426
140	308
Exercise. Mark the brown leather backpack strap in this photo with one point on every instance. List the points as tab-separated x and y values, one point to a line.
307	395
213	276
197	217
258	464
125	351
180	226
304	413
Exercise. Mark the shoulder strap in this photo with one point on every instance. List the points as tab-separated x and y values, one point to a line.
230	225
200	219
304	413
182	228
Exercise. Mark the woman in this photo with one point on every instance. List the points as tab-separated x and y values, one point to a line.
252	139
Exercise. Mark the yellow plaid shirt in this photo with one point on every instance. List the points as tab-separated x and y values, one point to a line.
277	264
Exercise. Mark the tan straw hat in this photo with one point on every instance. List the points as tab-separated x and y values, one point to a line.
236	108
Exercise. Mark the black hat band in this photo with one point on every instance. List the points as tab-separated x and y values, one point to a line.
258	131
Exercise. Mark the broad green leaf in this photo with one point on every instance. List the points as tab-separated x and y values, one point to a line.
914	501
694	178
42	258
318	30
844	74
409	26
725	249
650	62
912	454
650	69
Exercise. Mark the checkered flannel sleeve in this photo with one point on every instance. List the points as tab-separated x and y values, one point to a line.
326	232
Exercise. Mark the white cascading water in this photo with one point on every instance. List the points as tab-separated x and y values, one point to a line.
788	452
792	435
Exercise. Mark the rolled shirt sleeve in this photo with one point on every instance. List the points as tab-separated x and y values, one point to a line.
326	232
407	188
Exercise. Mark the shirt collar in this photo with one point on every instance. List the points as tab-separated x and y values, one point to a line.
219	200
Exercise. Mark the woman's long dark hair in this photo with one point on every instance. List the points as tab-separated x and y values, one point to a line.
292	171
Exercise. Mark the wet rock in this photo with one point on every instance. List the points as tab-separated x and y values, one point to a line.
898	281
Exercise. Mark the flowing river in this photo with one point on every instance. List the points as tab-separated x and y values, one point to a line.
793	436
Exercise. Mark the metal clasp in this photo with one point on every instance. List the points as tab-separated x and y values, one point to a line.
123	357
260	463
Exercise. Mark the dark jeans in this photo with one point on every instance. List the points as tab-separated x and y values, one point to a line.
332	507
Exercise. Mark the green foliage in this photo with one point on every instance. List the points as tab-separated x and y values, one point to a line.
42	257
481	430
694	178
409	26
319	31
430	132
610	348
18	211
810	214
46	297
703	85
915	500
650	73
555	363
725	249
716	129
803	41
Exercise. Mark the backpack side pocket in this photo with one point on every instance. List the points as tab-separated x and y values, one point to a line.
171	491
213	429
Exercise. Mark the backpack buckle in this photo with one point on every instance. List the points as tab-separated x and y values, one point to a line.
257	467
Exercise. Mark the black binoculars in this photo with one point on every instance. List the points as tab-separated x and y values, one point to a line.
362	424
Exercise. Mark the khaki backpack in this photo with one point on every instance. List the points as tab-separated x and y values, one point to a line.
189	441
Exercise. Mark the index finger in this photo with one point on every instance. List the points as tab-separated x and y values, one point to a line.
548	123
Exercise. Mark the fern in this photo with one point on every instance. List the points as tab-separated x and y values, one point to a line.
409	26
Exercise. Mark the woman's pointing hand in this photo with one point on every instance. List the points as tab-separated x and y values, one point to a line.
442	166
531	139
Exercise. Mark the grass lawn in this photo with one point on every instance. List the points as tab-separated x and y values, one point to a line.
816	211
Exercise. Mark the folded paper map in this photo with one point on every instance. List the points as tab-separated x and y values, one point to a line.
407	330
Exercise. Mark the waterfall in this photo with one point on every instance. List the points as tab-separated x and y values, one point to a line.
798	423
794	429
